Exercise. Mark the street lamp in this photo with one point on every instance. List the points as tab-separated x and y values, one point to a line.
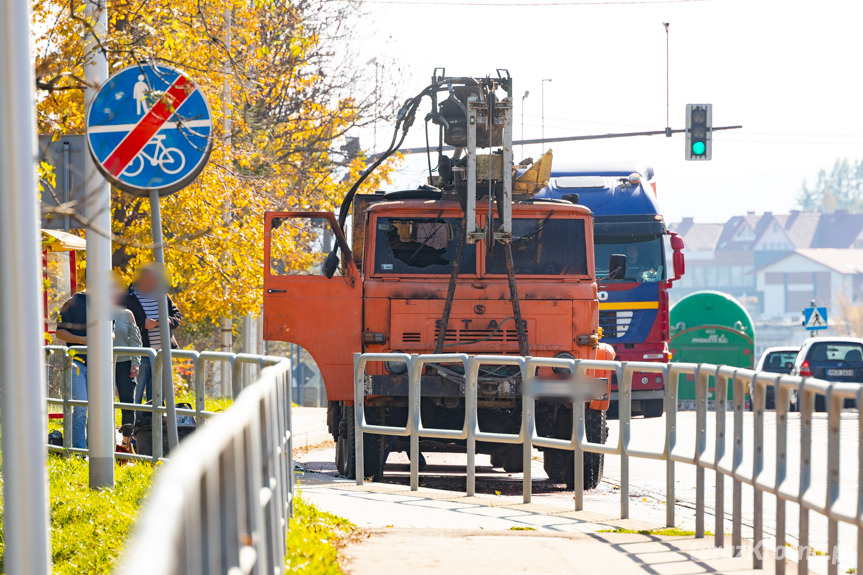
543	112
526	94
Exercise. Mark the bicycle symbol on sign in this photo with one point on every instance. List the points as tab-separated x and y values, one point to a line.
171	160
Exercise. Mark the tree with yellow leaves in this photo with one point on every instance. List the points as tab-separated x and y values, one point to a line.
281	72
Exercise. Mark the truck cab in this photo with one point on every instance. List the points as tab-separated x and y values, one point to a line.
388	295
633	310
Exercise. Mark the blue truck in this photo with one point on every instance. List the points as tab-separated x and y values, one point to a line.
633	310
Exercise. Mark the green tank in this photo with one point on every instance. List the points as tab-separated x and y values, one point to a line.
710	327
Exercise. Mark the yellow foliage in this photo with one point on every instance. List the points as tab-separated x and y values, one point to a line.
291	100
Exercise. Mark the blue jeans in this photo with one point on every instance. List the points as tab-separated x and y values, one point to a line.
79	414
145	380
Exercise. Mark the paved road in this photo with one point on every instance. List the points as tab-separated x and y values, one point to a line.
647	503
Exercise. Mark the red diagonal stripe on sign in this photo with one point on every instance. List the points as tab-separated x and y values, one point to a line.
146	128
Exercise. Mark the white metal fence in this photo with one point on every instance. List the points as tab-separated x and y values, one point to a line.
194	362
773	480
223	501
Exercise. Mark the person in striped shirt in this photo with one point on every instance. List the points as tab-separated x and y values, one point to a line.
142	300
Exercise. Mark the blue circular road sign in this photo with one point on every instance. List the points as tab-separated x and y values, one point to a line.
149	128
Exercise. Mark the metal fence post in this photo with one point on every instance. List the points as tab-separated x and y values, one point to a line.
414	414
471	372
758	404
578	432
782	394
806	400
860	481
156	415
359	401
702	379
739	391
528	426
67	395
720	402
834	404
671	382
624	410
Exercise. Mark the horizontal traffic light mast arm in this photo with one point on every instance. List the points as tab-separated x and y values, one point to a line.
577	138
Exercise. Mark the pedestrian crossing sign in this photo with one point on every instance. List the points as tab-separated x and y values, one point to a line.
815	318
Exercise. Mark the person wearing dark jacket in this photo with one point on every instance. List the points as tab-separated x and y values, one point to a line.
142	300
72	329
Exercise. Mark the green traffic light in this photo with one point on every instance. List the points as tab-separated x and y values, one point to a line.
698	148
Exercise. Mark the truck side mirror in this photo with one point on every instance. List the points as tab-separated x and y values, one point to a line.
331	264
678	259
617	267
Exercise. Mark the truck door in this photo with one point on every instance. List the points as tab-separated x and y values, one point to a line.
302	305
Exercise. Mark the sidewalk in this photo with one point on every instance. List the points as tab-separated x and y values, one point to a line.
439	531
309	425
423	551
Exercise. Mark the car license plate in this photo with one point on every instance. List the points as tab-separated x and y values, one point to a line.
840	372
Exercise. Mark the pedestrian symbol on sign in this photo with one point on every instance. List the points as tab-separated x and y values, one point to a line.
815	318
139	92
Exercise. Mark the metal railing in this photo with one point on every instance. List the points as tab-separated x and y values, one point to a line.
774	481
223	503
195	361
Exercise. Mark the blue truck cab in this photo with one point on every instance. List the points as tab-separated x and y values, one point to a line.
633	310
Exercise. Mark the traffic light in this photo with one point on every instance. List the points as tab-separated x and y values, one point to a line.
699	131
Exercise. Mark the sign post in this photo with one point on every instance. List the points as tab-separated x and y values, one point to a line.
150	132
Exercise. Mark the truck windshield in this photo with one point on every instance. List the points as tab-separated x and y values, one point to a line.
544	246
644	257
420	246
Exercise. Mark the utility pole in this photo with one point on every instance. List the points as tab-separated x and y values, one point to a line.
543	113
226	323
523	98
22	372
667	85
100	292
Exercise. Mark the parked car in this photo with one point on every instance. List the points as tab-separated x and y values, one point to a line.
776	360
831	359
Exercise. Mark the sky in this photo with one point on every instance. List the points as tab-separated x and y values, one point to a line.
786	70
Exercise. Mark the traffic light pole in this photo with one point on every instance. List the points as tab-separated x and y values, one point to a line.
580	138
22	373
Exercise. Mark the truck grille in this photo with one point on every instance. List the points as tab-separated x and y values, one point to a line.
614	324
480	335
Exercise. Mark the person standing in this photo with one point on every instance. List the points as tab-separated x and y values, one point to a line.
142	300
72	329
126	368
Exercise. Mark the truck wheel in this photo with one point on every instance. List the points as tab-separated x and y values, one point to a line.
558	464
652	408
513	462
374	449
498	459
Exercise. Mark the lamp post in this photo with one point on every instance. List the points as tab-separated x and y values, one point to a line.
543	112
526	94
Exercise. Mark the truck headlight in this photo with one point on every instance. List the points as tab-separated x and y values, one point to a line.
396	367
562	355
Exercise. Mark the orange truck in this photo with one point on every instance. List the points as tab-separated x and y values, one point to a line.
394	289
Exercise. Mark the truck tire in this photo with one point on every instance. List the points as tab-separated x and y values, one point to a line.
652	408
374	449
558	463
509	458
